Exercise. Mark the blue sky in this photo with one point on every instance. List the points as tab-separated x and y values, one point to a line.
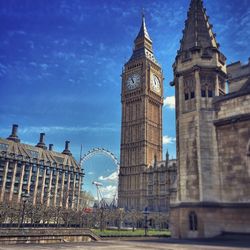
60	66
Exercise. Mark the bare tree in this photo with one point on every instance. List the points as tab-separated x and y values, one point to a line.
132	217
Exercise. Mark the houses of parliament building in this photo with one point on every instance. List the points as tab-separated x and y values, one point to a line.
38	173
207	187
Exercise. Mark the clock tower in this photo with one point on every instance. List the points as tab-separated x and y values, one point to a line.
141	131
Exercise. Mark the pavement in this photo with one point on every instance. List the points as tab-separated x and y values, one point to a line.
140	244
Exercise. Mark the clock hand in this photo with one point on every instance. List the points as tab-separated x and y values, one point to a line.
132	80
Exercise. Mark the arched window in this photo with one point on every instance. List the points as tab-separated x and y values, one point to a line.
210	92
203	91
186	91
193	221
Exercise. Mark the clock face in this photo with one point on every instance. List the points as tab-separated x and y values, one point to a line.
155	84
133	81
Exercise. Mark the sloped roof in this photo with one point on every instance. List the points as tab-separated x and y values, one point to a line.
29	152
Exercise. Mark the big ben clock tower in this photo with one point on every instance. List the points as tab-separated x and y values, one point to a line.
141	133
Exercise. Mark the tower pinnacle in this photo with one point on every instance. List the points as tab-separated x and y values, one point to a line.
143	33
143	43
197	32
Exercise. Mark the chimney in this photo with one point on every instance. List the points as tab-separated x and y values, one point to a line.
13	136
66	151
41	143
51	147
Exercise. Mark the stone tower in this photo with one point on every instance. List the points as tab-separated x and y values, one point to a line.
199	76
141	133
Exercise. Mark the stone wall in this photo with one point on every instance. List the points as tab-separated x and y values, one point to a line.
212	220
234	106
238	74
45	235
233	137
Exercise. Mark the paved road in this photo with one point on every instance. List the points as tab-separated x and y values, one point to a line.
140	244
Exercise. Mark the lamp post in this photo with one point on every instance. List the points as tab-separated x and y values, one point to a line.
25	198
146	213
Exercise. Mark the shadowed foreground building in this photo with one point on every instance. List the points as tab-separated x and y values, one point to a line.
48	177
213	135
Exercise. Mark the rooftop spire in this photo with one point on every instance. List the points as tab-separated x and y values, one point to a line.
143	43
197	32
143	33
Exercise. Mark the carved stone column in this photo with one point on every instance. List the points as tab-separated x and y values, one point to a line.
49	189
73	193
62	189
4	180
21	183
68	190
13	181
43	184
36	185
29	179
56	187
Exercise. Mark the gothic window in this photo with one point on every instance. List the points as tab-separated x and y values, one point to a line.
203	92
162	177
186	94
210	91
207	86
189	89
193	221
192	88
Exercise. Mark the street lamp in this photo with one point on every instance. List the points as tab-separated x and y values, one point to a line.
25	198
146	213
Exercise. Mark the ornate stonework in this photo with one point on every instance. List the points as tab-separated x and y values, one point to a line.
141	138
213	133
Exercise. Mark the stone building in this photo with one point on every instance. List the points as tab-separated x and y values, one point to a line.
45	176
161	185
141	136
213	135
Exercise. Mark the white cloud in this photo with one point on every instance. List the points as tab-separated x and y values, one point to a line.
44	66
111	177
168	140
59	129
169	102
109	191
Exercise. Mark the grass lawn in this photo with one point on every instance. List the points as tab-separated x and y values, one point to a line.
129	233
